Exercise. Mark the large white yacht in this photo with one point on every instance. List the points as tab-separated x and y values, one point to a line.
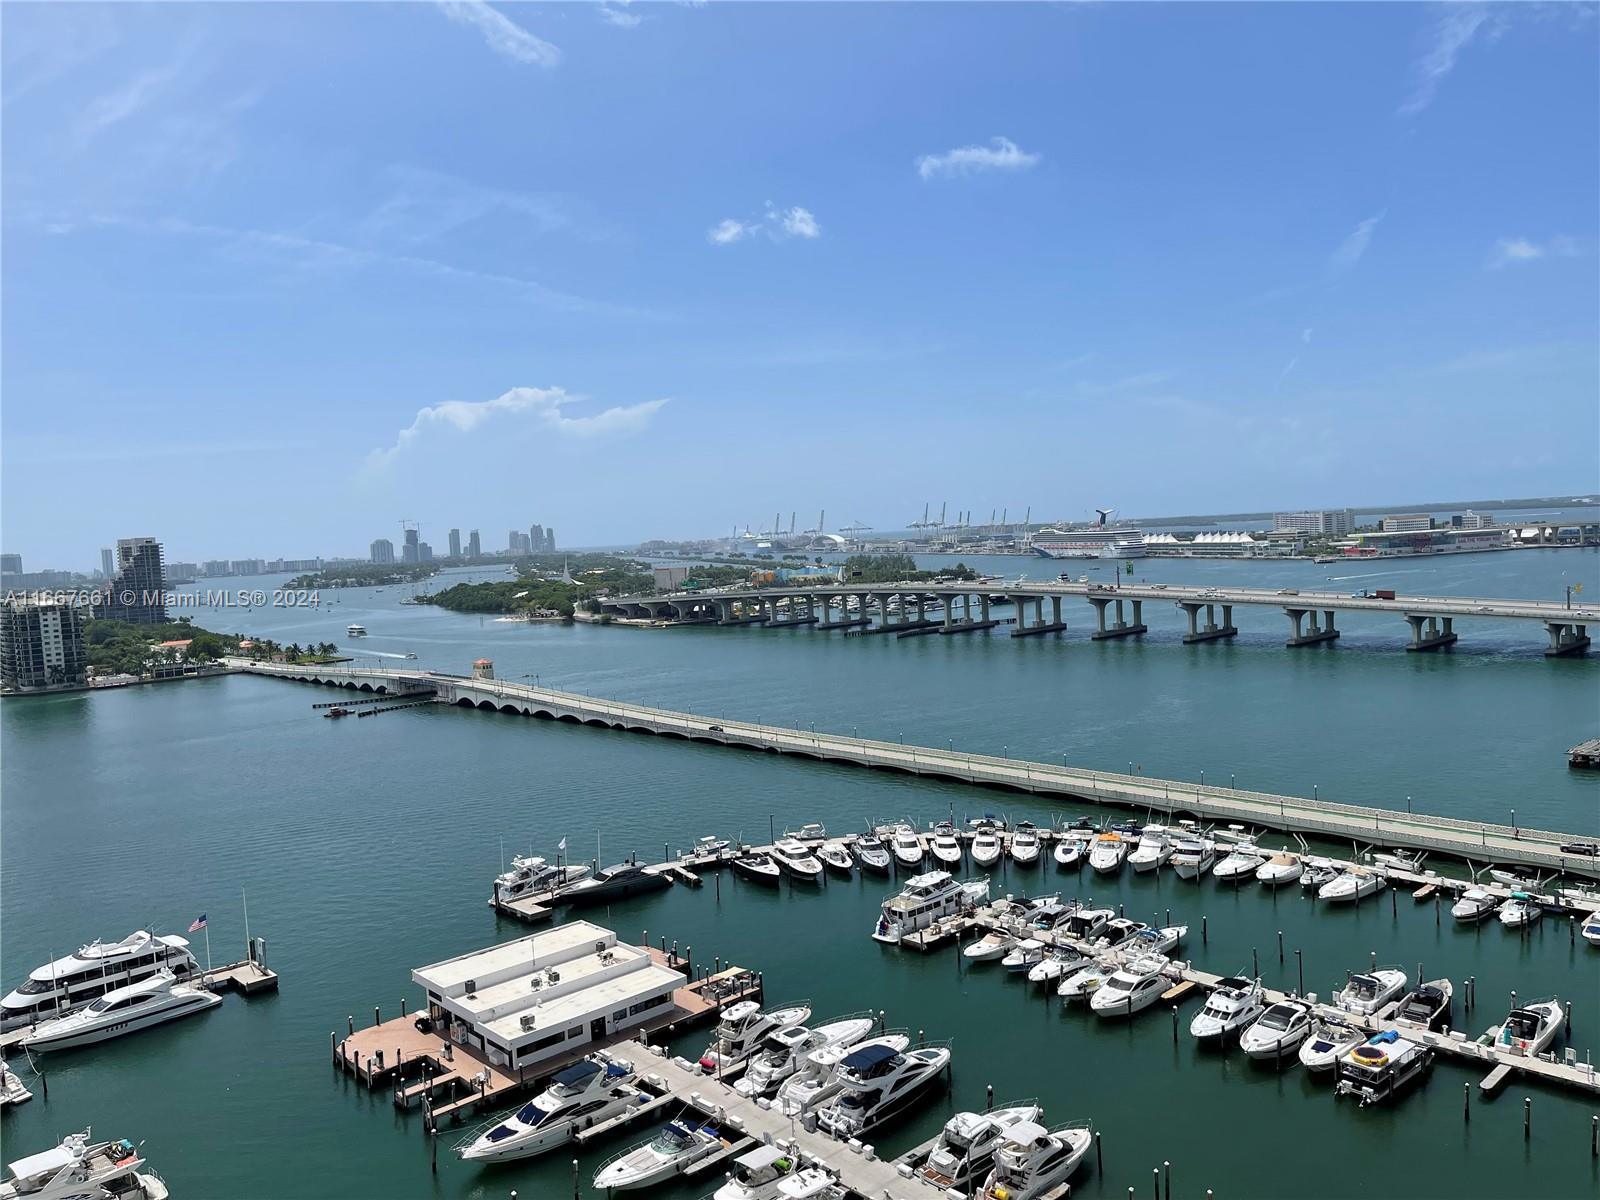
1025	844
676	1147
1154	848
965	1147
589	1091
946	845
1366	993
153	1001
926	898
797	860
784	1051
986	845
875	1083
907	847
83	1169
1192	857
817	1080
1035	1162
1132	988
93	971
743	1027
529	875
1234	1004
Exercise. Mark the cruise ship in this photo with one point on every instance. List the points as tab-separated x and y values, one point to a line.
94	970
1099	540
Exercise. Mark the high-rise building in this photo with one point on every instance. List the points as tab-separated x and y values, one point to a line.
383	551
455	543
518	542
474	546
108	562
408	552
11	564
424	552
550	540
1406	523
138	591
1327	522
536	539
41	645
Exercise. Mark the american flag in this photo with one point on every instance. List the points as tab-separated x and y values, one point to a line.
198	923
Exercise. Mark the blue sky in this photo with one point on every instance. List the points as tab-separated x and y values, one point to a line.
276	277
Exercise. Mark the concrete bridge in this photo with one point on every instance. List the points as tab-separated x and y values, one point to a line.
910	609
1470	840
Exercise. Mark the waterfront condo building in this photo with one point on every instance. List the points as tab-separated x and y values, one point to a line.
42	645
474	545
1335	522
455	543
137	592
382	551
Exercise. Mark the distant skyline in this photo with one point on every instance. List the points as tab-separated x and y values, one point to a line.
277	277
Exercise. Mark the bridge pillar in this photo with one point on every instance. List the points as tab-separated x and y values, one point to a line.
1430	632
1120	627
1315	633
1210	631
1039	624
1566	638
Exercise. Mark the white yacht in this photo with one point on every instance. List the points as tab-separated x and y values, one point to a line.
1131	988
1071	847
1400	860
1192	857
797	861
12	1089
1428	1006
96	969
710	846
1591	928
758	868
1234	1004
817	1080
907	846
1023	956
989	947
986	846
1119	931
811	831
836	858
1057	961
83	1169
356	630
1383	1065
946	845
1081	984
1352	885
1241	863
871	853
153	1001
529	875
758	1174
1035	1162
876	1083
1086	924
1370	991
785	1051
926	898
1328	1040
1474	904
1520	911
1531	1028
1317	871
1279	870
1108	852
1025	844
1154	849
591	1090
1276	1032
965	1147
1157	941
743	1027
677	1146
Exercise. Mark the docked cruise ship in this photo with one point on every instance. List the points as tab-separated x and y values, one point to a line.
95	969
1093	541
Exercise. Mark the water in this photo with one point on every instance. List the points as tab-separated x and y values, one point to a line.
367	847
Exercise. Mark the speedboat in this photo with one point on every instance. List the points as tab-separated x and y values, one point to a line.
1401	860
1057	961
758	1174
871	853
1157	941
1240	863
986	847
592	1090
83	1169
757	867
1154	849
836	858
1520	911
876	1083
1531	1028
989	947
811	831
1428	1006
1277	1031
1512	880
1329	1040
1086	924
1474	904
785	1051
926	898
12	1089
1351	885
1108	852
743	1027
1317	872
1383	1065
121	1011
817	1079
946	845
1079	984
710	846
1132	988
1034	1162
1118	931
907	846
1071	846
355	630
1591	928
1279	869
965	1147
613	883
797	861
678	1146
530	875
1024	955
96	969
1368	992
1234	1004
1025	844
1045	918
1192	857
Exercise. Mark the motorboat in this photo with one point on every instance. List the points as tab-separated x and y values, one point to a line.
811	831
355	630
1025	844
676	1147
836	858
986	846
946	845
785	1051
1131	988
710	846
97	968
759	1173
121	1011
1234	1004
532	875
1427	1006
1086	924
1531	1028
1317	872
81	1168
1081	983
1279	870
817	1079
871	853
1241	863
1045	918
1057	961
1071	847
1154	849
1351	885
1474	904
591	1090
964	1150
743	1028
613	883
1400	860
1366	993
12	1089
1024	956
812	1183
758	867
1520	911
1329	1040
1512	880
1192	857
1033	1162
1108	852
1382	1066
1118	931
1278	1031
1591	928
1157	941
797	861
876	1083
989	947
926	898
907	846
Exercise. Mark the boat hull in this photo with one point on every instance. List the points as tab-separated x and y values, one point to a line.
71	1038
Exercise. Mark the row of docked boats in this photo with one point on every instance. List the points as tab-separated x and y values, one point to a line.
533	877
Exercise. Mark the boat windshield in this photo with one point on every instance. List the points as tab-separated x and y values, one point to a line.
529	1114
1279	1017
671	1140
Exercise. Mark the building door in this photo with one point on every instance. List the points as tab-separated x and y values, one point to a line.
597	1029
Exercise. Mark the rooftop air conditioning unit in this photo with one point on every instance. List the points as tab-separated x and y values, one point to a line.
527	1023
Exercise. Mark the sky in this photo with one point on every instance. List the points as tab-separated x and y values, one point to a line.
277	277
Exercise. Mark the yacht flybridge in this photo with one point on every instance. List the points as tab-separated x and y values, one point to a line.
986	847
530	875
1233	1005
965	1148
817	1080
83	1169
926	898
876	1083
743	1027
787	1051
592	1090
96	969
1192	857
1035	1162
138	1006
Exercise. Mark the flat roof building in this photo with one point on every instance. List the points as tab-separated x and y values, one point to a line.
41	645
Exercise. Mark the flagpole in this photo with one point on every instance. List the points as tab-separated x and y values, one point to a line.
248	948
208	948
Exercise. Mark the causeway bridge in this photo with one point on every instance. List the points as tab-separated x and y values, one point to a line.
1474	841
911	609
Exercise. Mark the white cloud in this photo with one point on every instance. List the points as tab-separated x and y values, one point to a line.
725	233
503	35
1354	246
618	15
1449	36
541	407
116	107
777	224
1001	154
1509	251
798	222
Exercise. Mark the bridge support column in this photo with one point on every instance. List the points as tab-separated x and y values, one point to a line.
1210	631
1039	624
1314	633
1566	638
1120	627
1430	632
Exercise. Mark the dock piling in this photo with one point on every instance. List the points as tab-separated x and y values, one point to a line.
988	1097
1466	1103
376	1020
1255	964
1280	946
574	1179
1166	1176
1205	938
1099	1155
1174	1024
1374	965
1300	966
350	1021
1594	1136
1527	1117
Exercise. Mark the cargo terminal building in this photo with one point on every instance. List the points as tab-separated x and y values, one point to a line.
545	995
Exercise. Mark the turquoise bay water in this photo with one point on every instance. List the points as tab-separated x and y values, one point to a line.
367	848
